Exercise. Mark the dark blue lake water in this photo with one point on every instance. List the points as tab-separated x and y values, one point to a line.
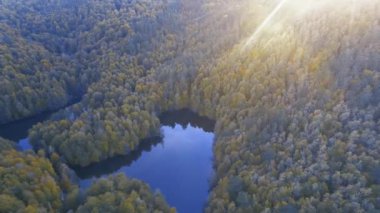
178	164
18	131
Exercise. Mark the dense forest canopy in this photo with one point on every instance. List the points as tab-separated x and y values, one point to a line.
294	88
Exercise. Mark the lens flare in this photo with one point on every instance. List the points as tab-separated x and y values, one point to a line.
298	8
264	23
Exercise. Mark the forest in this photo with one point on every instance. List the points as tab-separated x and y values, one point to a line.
296	102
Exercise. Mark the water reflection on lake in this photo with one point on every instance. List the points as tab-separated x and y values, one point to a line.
18	131
179	165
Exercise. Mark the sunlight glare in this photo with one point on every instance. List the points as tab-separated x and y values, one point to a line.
298	8
264	23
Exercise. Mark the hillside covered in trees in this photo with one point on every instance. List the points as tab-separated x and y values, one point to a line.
294	88
29	183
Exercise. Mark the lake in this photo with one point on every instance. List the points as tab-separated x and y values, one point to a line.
178	164
18	130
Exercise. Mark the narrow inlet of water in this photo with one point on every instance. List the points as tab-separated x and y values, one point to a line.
178	164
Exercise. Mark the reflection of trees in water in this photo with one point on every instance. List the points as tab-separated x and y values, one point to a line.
182	117
111	165
18	130
185	117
